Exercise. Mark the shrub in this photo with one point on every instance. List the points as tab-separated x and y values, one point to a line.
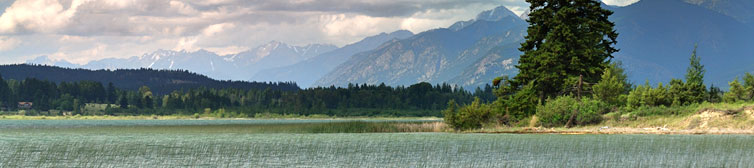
663	110
468	117
590	111
557	112
520	104
472	117
737	92
645	95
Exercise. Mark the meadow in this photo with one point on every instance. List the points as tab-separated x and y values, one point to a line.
343	143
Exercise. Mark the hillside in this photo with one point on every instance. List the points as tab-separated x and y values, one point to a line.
306	72
160	81
656	39
240	66
435	56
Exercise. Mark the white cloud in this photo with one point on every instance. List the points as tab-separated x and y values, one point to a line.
83	30
620	2
79	56
8	43
187	43
217	28
347	25
36	15
227	50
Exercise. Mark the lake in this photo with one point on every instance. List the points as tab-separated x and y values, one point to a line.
313	143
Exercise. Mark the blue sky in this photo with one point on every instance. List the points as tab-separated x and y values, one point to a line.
80	31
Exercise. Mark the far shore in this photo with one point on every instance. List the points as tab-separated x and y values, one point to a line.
707	122
188	117
615	130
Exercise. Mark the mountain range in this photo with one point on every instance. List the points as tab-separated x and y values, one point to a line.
434	56
240	66
304	73
656	39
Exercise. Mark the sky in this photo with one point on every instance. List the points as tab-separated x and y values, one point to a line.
80	31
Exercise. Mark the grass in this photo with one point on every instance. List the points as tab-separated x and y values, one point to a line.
91	148
15	116
704	118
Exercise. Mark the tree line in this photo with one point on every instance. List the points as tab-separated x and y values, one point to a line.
422	99
160	81
567	77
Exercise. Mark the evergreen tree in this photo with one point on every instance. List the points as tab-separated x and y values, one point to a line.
609	88
4	93
77	106
736	93
715	94
695	88
123	101
566	39
111	93
146	97
748	86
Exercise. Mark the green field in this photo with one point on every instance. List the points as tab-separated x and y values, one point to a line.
343	143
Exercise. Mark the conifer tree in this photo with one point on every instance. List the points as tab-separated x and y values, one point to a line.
695	88
4	93
566	39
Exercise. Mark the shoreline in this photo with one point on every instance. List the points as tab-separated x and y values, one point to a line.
607	129
615	131
175	117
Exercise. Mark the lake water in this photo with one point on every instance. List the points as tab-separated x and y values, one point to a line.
228	143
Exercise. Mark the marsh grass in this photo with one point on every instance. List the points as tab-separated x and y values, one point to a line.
221	126
372	150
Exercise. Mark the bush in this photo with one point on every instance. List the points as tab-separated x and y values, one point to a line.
590	111
737	92
645	95
519	105
469	116
557	112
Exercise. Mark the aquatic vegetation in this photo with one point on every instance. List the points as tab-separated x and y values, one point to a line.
230	143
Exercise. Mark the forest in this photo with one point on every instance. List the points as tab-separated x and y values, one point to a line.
95	98
568	78
159	81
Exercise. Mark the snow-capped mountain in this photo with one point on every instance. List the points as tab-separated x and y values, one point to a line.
239	66
306	72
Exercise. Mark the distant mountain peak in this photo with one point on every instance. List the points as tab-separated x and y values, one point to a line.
496	14
46	60
525	15
493	15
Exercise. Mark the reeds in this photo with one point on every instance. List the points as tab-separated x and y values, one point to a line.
316	145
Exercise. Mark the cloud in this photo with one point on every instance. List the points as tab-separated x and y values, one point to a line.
227	50
217	28
84	30
8	43
36	15
620	2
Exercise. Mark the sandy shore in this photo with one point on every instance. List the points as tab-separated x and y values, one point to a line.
617	130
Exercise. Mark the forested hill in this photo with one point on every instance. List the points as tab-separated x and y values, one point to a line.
160	81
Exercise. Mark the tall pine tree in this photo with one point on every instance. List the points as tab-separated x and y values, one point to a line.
4	93
695	88
566	39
